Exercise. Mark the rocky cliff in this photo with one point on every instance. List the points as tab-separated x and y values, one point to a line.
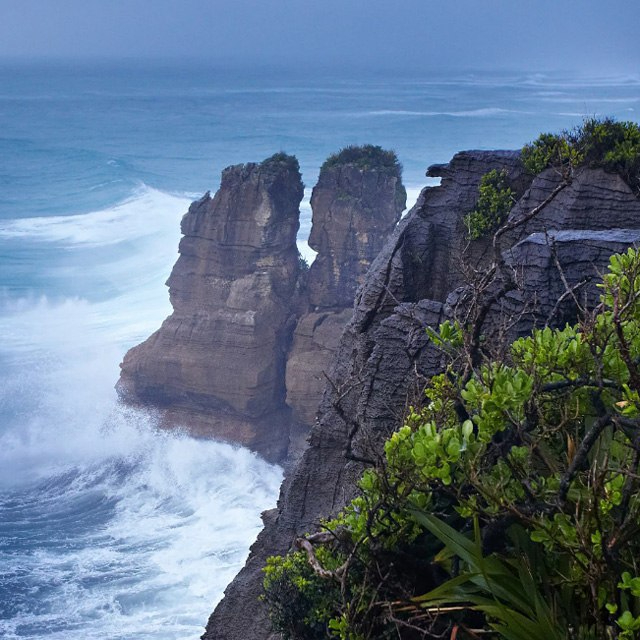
416	281
356	204
244	354
217	363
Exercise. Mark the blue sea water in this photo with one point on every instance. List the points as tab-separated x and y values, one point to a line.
108	527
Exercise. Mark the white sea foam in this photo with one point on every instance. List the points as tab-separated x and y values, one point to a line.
147	212
174	516
117	258
123	531
305	228
468	113
414	192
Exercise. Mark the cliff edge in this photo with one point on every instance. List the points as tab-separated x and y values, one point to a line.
418	280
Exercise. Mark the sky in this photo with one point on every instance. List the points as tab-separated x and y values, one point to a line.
594	36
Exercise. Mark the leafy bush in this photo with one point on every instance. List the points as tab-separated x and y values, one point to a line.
299	601
368	156
551	150
494	203
615	146
507	505
281	159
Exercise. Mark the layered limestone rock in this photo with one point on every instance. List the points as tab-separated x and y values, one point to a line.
227	362
385	354
315	341
217	363
356	204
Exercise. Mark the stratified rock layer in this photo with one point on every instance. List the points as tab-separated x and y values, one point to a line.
416	282
355	210
217	363
315	341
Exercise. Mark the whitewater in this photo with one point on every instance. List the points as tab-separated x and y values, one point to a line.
110	527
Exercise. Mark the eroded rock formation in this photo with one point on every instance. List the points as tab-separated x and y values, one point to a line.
227	362
384	352
217	363
356	205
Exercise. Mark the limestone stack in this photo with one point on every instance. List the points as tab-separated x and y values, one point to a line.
356	204
216	365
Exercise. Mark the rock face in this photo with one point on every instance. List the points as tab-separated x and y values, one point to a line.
244	354
217	363
356	205
315	340
354	211
384	354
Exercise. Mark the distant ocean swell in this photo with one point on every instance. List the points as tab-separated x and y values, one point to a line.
485	112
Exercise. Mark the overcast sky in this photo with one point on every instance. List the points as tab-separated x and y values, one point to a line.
598	36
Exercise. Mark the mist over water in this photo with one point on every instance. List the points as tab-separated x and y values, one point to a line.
110	528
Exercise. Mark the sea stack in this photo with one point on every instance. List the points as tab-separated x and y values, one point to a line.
245	354
356	204
216	365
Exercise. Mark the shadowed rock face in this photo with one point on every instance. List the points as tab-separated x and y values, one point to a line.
414	282
217	363
315	340
355	210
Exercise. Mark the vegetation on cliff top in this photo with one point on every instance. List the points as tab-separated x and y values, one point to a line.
281	160
506	507
605	143
614	146
367	157
495	200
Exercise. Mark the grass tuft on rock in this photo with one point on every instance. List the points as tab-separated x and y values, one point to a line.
368	157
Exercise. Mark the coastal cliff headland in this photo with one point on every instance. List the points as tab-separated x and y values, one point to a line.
356	318
385	354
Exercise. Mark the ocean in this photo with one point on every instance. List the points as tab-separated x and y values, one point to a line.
110	528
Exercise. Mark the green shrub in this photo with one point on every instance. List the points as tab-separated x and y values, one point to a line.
495	200
299	601
551	150
368	157
518	480
279	160
614	146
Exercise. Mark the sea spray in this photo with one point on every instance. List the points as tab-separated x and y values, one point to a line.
139	543
109	527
